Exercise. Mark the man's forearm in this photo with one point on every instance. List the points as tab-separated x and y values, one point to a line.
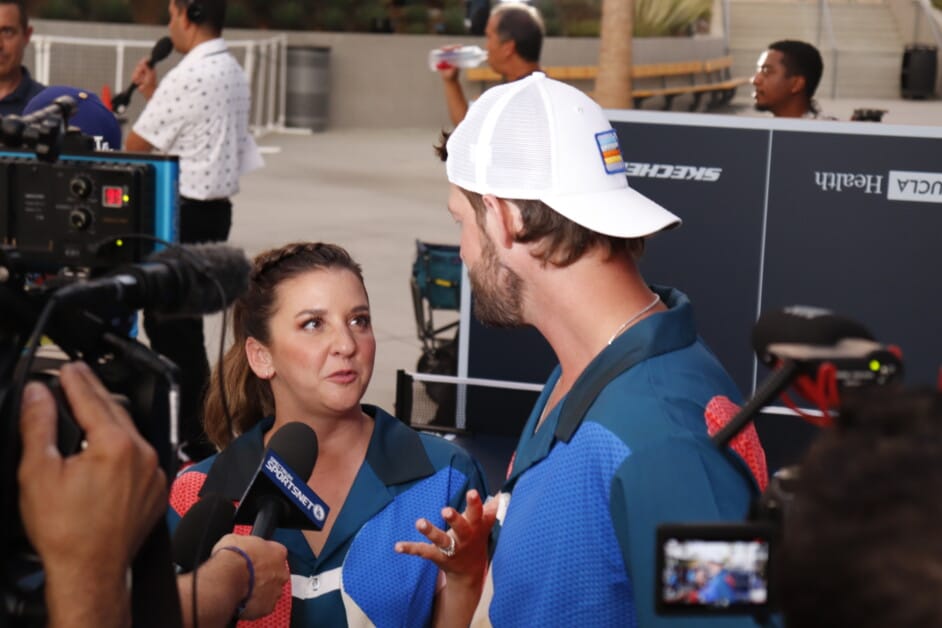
457	103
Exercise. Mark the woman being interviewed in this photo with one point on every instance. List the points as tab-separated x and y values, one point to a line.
303	351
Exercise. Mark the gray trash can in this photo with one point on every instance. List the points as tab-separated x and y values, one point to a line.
307	87
917	78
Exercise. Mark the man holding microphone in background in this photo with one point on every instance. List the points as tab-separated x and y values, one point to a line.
200	112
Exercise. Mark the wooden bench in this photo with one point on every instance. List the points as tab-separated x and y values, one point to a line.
713	77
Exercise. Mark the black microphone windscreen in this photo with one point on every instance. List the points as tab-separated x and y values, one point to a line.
161	50
296	444
200	529
805	326
204	269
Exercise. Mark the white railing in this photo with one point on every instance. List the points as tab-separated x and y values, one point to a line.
93	64
826	23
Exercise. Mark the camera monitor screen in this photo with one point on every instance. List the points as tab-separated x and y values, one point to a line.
713	568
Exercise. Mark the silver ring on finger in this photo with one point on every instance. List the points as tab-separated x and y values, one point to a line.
450	550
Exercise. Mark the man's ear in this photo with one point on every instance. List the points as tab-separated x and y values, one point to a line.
798	84
505	219
509	48
259	358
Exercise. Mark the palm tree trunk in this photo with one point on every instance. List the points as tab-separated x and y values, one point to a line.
613	85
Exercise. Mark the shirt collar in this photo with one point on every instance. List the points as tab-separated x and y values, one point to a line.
205	49
657	334
22	89
395	453
661	333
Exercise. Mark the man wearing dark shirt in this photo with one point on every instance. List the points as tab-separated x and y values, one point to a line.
17	87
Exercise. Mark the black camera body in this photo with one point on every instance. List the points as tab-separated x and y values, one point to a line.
730	567
62	221
74	213
715	569
725	568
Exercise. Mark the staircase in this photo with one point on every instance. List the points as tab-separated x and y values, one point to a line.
863	62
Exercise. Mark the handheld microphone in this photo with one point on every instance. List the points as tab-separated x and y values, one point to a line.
180	280
200	529
160	51
279	496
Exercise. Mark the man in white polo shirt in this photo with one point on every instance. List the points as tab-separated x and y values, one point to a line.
200	112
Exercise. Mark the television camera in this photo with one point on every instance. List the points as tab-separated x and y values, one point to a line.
730	567
81	237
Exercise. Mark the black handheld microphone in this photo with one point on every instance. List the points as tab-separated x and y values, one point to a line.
207	521
180	280
279	496
160	51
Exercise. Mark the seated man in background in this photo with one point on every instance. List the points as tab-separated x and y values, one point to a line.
861	542
787	75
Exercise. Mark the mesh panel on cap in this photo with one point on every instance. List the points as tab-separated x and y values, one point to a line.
508	128
520	145
460	166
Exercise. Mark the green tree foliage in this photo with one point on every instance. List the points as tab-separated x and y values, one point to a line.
658	18
111	11
653	18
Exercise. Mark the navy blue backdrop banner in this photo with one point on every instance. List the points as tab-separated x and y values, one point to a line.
841	215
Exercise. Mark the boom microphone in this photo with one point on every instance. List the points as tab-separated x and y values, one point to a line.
812	337
200	529
160	51
816	343
802	333
279	496
180	280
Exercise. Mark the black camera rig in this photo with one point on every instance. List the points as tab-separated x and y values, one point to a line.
822	356
61	221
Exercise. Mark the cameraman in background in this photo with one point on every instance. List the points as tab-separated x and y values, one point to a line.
861	541
88	514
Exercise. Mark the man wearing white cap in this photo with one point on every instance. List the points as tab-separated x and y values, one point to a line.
617	442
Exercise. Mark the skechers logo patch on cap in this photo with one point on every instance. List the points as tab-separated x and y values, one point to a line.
611	153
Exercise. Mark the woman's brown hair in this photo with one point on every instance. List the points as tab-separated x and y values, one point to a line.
250	398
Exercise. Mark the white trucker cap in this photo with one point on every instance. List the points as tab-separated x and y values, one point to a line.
539	139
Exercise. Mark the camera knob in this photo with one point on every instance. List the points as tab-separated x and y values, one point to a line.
81	186
80	218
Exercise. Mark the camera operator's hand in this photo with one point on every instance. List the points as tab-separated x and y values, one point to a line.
145	77
223	581
87	514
